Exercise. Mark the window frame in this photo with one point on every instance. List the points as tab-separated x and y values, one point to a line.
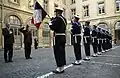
16	3
13	19
84	12
116	6
73	12
103	5
45	5
30	6
73	1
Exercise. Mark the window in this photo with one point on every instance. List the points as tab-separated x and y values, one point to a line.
103	25
117	26
117	5
73	12
14	20
46	31
34	32
119	34
84	0
31	4
101	8
16	32
86	10
14	1
46	5
72	1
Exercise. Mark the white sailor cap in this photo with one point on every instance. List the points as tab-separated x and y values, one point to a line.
58	9
77	16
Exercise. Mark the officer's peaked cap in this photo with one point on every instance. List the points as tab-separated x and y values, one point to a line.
58	9
77	16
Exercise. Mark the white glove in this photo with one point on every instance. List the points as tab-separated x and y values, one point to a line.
83	30
50	23
90	32
10	32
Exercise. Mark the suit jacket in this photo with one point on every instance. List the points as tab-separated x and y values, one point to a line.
8	38
27	36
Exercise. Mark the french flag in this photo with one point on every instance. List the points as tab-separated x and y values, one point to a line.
38	15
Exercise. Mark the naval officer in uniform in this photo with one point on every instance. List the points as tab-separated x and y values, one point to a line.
58	25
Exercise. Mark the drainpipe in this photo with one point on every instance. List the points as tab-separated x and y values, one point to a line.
2	24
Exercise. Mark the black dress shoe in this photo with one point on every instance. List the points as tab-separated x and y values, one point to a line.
76	63
58	72
10	61
30	58
6	61
26	57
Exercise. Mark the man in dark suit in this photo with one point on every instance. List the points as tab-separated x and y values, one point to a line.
27	41
8	43
58	25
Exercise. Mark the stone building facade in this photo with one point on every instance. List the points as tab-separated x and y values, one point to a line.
103	13
18	13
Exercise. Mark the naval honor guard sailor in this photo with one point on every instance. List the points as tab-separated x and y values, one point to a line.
76	32
58	25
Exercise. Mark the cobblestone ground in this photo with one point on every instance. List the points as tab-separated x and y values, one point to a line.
105	66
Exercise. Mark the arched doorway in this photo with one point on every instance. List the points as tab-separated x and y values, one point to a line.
117	31
15	24
103	25
46	35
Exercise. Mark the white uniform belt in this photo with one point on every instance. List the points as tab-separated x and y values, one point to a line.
59	33
99	39
94	37
77	35
104	39
86	36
